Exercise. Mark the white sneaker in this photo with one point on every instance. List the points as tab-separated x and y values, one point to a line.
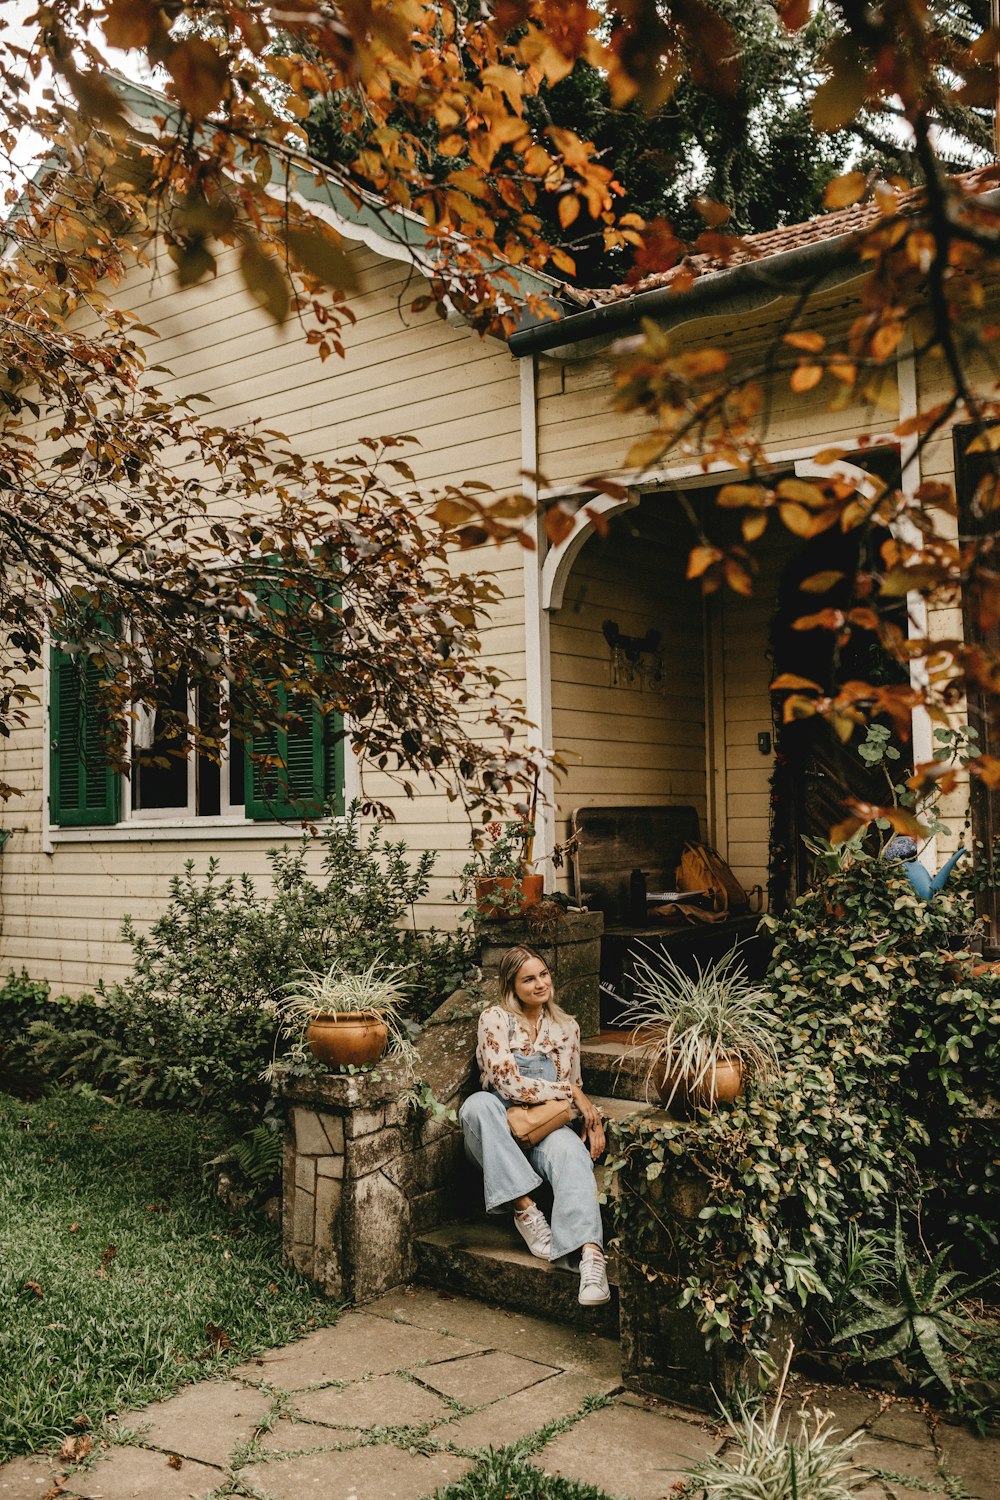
533	1227
594	1287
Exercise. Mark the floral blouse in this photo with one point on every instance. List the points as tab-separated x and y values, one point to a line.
501	1034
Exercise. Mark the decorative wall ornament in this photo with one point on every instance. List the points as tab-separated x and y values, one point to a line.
636	661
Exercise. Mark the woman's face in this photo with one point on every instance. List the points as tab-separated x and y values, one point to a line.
533	983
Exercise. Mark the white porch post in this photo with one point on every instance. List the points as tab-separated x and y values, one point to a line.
921	729
537	656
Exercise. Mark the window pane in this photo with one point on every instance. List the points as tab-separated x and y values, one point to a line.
208	786
160	778
237	772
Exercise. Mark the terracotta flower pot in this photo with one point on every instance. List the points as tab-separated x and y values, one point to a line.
500	898
352	1039
725	1088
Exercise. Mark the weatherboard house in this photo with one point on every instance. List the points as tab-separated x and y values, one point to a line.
655	695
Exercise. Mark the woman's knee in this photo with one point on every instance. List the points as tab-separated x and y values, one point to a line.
479	1108
562	1146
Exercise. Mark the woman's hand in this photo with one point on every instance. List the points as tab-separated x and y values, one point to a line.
593	1126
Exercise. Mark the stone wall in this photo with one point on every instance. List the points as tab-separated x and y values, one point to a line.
570	945
366	1167
663	1350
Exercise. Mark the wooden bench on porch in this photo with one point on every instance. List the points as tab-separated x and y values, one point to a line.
614	841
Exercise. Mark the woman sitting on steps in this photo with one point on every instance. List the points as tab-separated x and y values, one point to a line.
529	1051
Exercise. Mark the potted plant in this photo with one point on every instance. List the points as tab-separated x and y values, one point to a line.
705	1035
349	1016
500	873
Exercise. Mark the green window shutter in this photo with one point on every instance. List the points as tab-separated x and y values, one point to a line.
84	791
293	773
296	772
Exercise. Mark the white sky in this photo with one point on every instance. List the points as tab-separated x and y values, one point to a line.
14	15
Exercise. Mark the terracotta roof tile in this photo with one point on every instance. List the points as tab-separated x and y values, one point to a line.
755	247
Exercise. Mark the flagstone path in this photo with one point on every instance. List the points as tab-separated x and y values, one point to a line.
399	1398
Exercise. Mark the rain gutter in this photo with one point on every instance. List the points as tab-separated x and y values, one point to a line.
754	283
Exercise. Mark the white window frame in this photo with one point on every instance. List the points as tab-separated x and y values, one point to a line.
171	828
229	811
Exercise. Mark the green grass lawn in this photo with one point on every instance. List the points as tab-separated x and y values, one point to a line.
120	1278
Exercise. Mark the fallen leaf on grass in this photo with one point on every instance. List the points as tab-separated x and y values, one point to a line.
220	1340
75	1449
107	1257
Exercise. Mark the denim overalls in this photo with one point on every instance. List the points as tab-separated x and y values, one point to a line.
510	1172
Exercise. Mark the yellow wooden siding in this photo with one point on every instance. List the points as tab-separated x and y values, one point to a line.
629	744
581	434
404	372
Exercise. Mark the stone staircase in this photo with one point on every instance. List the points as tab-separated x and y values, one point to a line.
485	1258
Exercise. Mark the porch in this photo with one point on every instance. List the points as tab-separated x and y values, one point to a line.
662	708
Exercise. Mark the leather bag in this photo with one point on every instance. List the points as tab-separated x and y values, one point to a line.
531	1123
702	870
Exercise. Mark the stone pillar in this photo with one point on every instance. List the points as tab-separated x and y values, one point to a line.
663	1350
570	945
365	1169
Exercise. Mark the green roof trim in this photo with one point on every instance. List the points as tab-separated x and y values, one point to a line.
397	233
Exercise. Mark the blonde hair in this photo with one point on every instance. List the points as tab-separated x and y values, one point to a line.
508	969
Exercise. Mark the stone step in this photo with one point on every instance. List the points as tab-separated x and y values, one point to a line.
488	1261
620	1109
616	1068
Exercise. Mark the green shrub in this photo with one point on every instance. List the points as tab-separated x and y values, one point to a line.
198	1019
863	972
22	1002
888	1047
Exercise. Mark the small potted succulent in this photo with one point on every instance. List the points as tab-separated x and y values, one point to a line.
349	1017
500	873
705	1035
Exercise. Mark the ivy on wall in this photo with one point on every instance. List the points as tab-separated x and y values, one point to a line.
890	1061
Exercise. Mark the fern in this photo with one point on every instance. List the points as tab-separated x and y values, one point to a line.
258	1154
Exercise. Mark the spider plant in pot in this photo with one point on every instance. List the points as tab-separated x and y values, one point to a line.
349	1016
705	1035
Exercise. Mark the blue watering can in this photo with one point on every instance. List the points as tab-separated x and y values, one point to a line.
923	882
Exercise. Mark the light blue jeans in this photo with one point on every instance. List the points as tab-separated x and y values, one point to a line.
510	1172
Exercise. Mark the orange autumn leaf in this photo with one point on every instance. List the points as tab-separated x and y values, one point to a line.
712	212
753	525
558	524
844	190
805	378
200	76
811	342
823	619
987	768
701	559
842	832
738	577
738	496
821	583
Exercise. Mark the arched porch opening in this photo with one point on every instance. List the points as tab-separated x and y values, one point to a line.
661	697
